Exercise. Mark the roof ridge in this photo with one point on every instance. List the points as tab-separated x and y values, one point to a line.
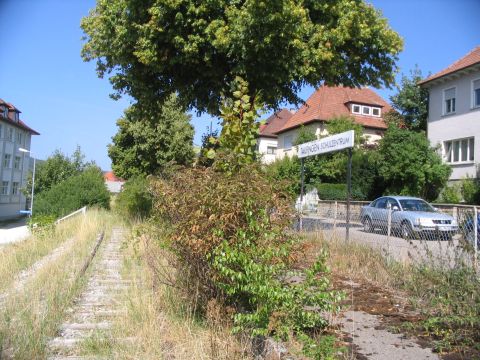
445	71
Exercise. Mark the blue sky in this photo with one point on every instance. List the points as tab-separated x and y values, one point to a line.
42	73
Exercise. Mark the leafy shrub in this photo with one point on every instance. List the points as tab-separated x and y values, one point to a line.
337	192
86	189
134	201
470	189
228	235
450	194
286	171
41	222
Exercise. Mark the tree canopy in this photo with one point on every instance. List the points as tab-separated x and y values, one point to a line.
411	102
150	49
149	139
408	165
57	168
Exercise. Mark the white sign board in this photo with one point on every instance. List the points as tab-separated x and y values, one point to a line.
331	143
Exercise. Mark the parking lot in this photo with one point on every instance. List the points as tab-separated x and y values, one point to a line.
406	251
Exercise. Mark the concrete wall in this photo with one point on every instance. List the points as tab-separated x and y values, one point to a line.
263	143
464	123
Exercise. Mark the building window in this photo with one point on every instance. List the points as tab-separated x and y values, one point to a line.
4	112
16	116
476	93
376	112
4	188
19	137
287	142
272	150
449	96
10	134
356	109
15	188
17	162
0	131
366	110
459	151
6	160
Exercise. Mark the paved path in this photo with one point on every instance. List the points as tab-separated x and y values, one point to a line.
376	343
97	306
14	231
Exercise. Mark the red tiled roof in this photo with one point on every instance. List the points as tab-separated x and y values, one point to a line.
20	123
274	123
110	176
330	101
472	58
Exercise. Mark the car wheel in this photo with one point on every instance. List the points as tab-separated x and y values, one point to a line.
406	229
367	225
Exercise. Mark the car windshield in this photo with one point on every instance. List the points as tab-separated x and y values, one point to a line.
416	205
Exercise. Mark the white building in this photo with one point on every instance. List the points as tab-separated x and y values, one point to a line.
268	139
363	105
454	114
14	165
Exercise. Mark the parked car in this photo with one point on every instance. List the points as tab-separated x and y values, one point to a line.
411	218
467	230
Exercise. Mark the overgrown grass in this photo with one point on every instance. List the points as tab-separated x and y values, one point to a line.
448	297
28	319
157	322
21	255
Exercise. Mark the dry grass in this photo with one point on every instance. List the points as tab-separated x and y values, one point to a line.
157	324
21	255
30	318
357	261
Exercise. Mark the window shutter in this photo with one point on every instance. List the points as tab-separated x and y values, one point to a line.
450	93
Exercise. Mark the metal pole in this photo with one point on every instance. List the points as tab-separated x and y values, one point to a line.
301	193
33	187
389	226
475	235
349	193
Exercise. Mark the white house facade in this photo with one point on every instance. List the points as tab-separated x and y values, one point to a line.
454	114
14	164
267	142
363	105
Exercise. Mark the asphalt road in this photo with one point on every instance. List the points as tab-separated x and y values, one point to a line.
13	231
406	251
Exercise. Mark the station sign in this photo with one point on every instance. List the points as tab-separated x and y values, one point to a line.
328	144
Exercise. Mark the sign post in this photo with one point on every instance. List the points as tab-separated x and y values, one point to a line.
328	144
301	194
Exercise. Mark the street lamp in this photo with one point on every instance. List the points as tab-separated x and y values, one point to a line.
33	177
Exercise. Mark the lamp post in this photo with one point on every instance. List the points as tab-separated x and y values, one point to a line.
33	177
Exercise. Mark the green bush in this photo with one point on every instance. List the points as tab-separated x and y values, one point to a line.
134	201
337	192
41	222
285	171
470	189
229	241
450	195
86	189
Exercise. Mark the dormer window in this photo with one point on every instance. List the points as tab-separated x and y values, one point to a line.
15	116
366	110
4	111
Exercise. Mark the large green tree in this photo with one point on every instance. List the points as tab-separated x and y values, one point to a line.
150	139
408	164
411	102
196	49
57	168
